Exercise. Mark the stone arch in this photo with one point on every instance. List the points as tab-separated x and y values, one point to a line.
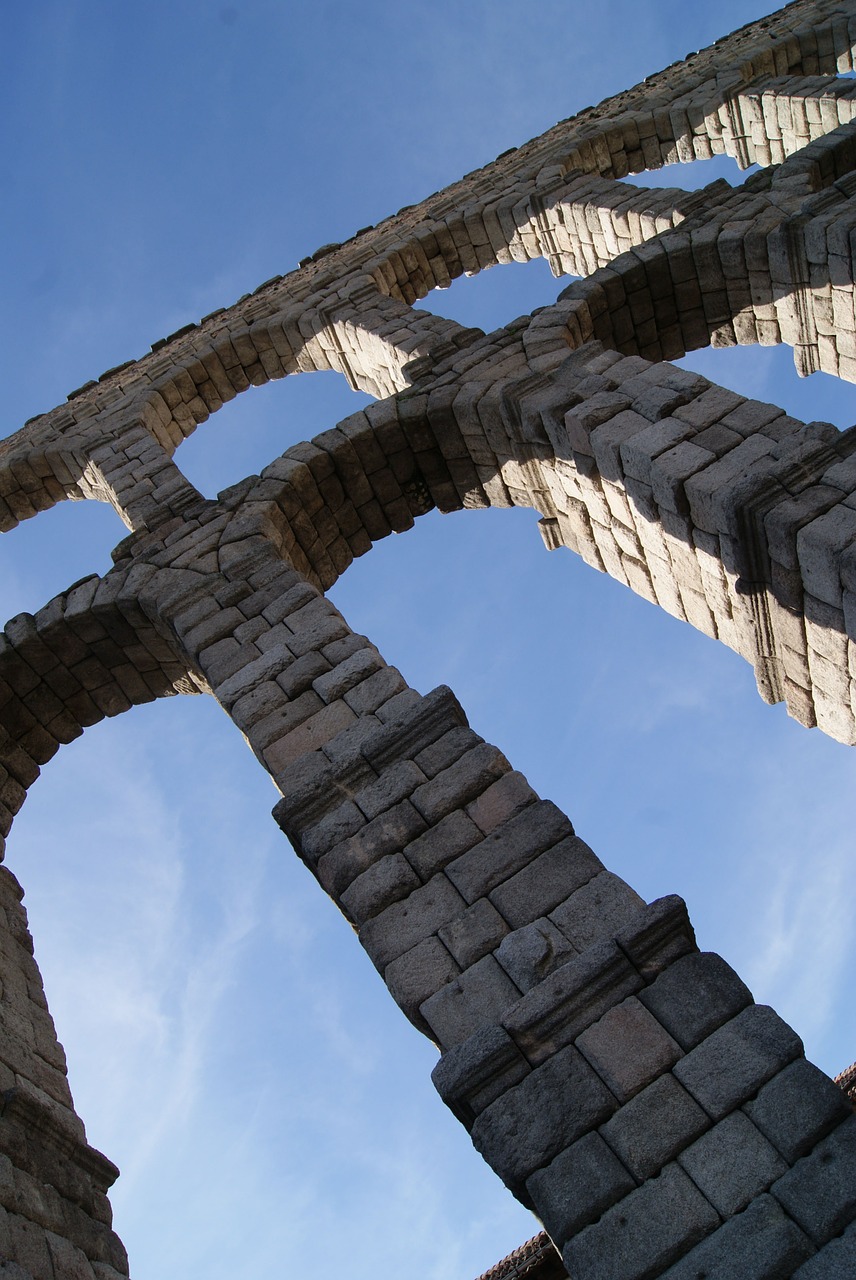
89	653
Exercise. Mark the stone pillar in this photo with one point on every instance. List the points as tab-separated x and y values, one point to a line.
55	1218
623	1084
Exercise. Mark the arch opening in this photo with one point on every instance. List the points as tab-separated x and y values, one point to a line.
245	435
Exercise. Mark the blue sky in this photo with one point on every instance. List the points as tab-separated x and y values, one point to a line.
230	1046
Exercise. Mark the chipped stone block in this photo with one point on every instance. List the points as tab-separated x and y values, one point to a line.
529	954
404	924
654	1126
472	935
730	1066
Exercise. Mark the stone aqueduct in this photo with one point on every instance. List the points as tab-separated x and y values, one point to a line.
623	1084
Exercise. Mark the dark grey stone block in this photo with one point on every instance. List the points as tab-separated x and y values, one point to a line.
597	910
405	923
472	1075
762	1243
797	1108
437	847
388	881
658	935
545	881
386	834
728	1067
732	1163
395	784
695	996
531	1123
529	954
461	782
446	750
416	975
645	1233
479	996
654	1126
628	1048
835	1261
577	1187
819	1192
479	930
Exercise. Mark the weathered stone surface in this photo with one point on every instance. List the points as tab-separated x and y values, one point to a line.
835	1261
694	996
546	881
554	1013
472	1075
628	1048
732	1163
441	844
643	1234
477	998
578	1186
508	849
533	1121
473	934
797	1108
418	973
403	924
732	1064
761	1243
529	954
654	1126
599	909
819	1192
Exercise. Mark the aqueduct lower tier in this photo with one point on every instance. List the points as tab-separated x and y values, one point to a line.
623	1084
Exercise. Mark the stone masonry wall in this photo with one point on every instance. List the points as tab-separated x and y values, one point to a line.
624	1085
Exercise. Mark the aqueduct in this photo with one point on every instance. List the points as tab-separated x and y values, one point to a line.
623	1084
